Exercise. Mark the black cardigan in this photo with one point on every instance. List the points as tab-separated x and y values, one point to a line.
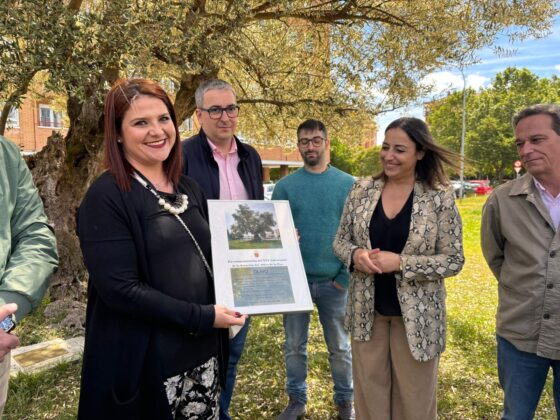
121	375
199	164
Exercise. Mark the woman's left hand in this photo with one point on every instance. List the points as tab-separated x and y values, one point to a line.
388	262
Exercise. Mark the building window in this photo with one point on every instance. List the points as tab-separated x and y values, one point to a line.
13	118
187	125
49	118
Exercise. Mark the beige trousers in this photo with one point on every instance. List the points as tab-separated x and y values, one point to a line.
389	384
4	380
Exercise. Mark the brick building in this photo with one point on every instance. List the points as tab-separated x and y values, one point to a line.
278	157
31	125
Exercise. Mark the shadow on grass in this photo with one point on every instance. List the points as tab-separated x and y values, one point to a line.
261	380
479	349
468	380
468	384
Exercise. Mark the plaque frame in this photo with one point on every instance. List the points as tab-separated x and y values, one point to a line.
256	258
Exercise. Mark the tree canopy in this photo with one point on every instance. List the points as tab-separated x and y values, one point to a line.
357	160
489	143
251	222
287	59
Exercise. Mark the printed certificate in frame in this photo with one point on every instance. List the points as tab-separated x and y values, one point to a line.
256	258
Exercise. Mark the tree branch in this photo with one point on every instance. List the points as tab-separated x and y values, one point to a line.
284	104
75	5
336	16
263	6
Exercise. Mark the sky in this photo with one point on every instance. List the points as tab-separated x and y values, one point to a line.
541	56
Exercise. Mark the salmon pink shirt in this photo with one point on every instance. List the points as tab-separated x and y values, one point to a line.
231	185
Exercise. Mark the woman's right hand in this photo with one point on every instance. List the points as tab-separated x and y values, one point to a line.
363	262
225	318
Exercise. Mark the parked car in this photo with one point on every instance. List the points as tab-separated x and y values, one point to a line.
482	186
268	189
468	188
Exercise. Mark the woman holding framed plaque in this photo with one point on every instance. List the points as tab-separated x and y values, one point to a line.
400	235
155	341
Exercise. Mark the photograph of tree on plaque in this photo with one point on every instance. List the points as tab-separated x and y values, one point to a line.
253	226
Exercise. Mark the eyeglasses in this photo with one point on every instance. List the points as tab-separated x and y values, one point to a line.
315	141
216	112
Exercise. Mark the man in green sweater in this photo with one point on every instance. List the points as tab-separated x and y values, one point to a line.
28	255
317	193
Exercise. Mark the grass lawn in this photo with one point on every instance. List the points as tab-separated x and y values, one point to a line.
468	384
264	244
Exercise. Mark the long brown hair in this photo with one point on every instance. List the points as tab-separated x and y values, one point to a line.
117	103
430	168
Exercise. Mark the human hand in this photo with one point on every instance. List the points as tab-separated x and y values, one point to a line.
8	341
364	262
388	262
225	317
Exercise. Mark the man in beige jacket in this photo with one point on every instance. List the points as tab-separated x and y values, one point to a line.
521	243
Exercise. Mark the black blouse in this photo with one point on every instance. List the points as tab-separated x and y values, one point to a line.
150	307
389	235
178	270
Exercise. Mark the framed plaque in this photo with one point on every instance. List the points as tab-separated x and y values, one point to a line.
256	258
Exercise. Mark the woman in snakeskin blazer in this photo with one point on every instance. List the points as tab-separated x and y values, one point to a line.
400	236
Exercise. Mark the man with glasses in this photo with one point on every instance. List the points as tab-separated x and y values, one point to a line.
317	193
226	169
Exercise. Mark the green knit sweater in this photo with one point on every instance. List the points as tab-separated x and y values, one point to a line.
316	201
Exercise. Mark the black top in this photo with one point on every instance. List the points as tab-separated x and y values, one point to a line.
199	164
389	235
149	297
179	271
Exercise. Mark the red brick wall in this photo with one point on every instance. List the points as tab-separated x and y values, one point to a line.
29	136
277	153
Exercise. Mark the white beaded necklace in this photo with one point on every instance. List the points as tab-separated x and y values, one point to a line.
175	211
171	208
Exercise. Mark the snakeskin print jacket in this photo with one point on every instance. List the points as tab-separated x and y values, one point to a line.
433	251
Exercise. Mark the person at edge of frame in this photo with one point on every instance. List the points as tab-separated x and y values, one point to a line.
520	241
28	254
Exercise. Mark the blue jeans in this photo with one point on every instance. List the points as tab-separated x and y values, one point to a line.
522	377
236	345
331	304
